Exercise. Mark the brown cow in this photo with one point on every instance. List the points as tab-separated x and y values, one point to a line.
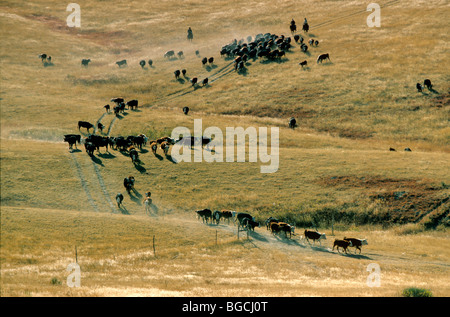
342	244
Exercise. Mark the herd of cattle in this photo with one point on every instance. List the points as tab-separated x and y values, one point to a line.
275	226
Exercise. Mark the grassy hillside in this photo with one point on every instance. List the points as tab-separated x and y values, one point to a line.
335	169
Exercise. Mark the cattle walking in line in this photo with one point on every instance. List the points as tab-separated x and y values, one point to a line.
356	243
85	62
72	139
323	57
205	214
85	124
341	244
121	63
314	235
119	200
128	183
292	123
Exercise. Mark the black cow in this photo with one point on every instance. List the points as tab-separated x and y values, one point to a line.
107	108
204	61
183	71
427	83
191	141
194	81
169	54
85	124
100	126
292	123
150	63
85	62
134	156
90	148
119	199
269	221
128	183
72	139
304	63
211	60
205	82
132	104
205	214
356	243
122	63
180	54
216	216
419	87
342	244
142	63
314	235
177	74
99	141
241	216
121	143
323	57
117	100
250	224
185	110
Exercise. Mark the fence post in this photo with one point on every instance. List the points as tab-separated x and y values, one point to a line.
76	255
154	250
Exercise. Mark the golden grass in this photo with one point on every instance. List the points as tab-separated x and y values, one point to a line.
349	112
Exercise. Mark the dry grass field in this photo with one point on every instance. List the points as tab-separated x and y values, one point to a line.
335	171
